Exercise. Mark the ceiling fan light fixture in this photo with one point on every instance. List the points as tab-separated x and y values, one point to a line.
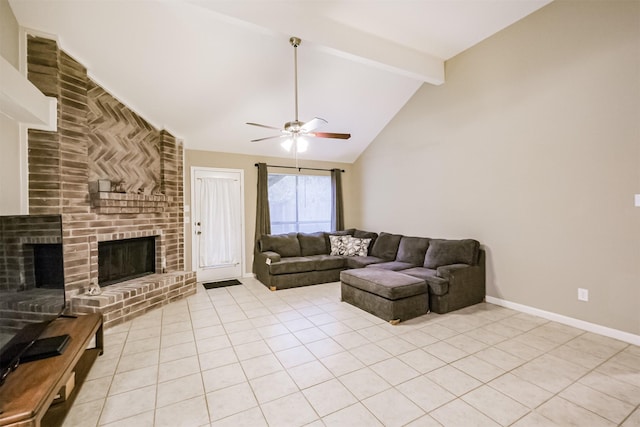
286	144
301	145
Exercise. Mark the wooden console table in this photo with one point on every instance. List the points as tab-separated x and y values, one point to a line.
27	394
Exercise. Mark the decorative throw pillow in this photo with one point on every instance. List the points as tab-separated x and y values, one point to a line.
355	246
337	244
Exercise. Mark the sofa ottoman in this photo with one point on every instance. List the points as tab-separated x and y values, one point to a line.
390	295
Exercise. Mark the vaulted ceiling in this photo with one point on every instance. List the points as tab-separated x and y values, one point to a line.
202	68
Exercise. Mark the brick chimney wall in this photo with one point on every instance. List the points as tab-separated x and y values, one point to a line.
99	137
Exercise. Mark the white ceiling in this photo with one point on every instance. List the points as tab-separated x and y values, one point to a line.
202	68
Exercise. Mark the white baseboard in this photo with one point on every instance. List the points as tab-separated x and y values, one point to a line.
570	321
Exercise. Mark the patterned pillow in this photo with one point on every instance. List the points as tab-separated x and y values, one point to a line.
355	246
337	245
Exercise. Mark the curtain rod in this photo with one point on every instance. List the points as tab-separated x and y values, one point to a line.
299	169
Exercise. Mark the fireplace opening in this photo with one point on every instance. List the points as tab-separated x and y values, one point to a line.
127	259
48	268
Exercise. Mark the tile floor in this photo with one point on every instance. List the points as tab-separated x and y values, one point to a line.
245	356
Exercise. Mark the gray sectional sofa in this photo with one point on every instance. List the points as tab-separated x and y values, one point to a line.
453	270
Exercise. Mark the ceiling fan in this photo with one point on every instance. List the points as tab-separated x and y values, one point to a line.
294	130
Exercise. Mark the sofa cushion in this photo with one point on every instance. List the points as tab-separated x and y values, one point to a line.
347	232
313	243
412	250
445	252
337	245
392	265
366	235
327	262
386	246
354	246
361	261
437	285
292	265
287	245
388	284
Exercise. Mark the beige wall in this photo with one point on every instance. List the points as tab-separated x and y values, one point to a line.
9	128
247	163
532	146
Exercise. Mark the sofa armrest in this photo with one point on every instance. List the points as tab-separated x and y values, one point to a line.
270	256
446	271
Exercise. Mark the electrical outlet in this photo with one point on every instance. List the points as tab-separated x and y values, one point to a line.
583	294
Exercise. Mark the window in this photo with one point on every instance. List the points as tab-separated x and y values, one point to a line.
299	203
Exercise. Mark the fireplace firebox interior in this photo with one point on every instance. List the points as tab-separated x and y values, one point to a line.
121	260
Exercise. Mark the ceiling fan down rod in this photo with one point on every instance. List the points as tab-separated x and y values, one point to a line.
295	42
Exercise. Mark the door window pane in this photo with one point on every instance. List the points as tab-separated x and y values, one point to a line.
299	203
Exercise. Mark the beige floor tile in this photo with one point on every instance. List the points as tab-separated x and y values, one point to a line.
178	368
421	361
294	356
216	358
179	389
176	352
478	368
324	347
125	405
445	351
309	374
283	342
310	335
273	386
364	383
351	340
633	420
249	418
209	331
375	333
261	365
519	349
329	397
335	328
495	405
292	410
573	355
222	377
392	408
500	358
370	354
146	419
523	391
611	386
341	363
93	390
453	380
168	340
394	371
418	338
458	413
353	416
466	343
485	336
231	400
185	413
138	360
425	393
84	413
139	346
252	349
140	334
132	380
602	404
533	419
563	412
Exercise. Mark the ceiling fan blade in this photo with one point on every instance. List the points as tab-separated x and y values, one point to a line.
313	124
269	137
330	135
263	126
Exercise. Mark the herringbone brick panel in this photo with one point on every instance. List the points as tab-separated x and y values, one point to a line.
122	145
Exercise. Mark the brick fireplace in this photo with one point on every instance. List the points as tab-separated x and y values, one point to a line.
100	140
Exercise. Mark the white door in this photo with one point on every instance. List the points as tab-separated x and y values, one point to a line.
218	223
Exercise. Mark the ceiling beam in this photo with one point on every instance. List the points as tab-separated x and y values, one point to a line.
332	37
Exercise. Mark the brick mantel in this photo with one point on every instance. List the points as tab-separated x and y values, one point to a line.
99	138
